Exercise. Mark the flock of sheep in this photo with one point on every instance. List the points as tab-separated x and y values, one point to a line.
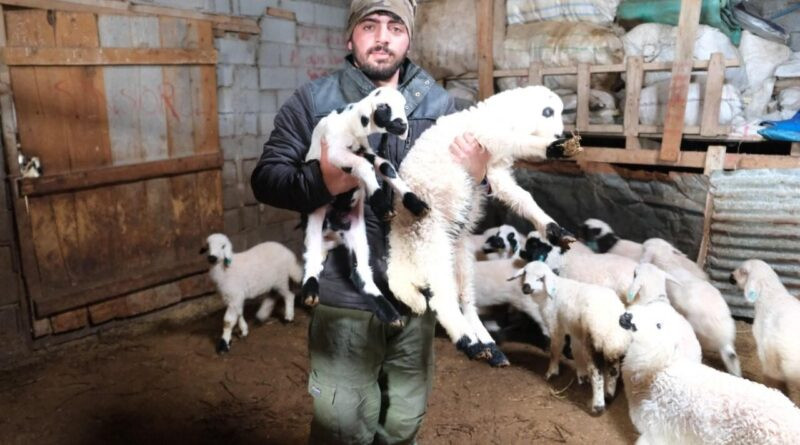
642	311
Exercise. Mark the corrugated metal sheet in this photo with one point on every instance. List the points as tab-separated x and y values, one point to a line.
756	215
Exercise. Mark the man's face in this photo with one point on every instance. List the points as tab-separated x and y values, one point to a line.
379	45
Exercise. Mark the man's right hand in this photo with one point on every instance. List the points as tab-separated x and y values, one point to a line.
336	180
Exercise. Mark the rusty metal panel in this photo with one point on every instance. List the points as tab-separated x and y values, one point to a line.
756	214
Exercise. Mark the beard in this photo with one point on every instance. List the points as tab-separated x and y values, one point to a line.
381	72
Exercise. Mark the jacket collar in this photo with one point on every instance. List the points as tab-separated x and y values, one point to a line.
414	83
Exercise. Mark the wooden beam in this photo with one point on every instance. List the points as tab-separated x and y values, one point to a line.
582	102
118	174
281	13
713	95
27	56
633	89
485	17
715	160
679	83
220	21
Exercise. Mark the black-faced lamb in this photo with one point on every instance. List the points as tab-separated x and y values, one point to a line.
496	242
674	400
589	314
776	326
601	239
346	132
430	264
245	275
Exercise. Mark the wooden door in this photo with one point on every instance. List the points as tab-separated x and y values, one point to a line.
122	112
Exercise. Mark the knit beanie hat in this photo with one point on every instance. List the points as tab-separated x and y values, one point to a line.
361	8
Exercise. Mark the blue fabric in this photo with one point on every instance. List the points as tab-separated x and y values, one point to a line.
785	130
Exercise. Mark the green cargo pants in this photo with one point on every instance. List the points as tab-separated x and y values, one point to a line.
370	382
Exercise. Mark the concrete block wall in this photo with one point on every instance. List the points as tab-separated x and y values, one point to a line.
255	76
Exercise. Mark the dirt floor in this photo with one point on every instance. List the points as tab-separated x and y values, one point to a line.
169	386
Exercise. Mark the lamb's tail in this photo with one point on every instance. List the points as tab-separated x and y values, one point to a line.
730	359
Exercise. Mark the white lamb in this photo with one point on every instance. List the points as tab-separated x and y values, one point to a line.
589	314
241	276
674	400
601	239
776	326
430	263
697	300
581	264
492	287
346	132
649	289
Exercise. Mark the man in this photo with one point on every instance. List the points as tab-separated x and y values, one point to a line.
370	382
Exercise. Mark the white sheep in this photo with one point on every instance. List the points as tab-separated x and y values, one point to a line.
776	326
241	276
649	289
346	132
581	264
674	400
430	264
698	300
601	239
589	314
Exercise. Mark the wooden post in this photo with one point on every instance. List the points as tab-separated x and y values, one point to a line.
679	84
715	160
582	112
485	17
633	88
535	74
709	124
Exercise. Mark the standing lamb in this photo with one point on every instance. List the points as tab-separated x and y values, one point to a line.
589	314
674	400
601	238
776	326
697	300
238	277
346	133
430	263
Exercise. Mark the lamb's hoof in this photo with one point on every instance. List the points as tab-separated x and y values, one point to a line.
609	397
559	236
287	320
223	346
381	206
476	351
598	409
415	205
498	359
583	379
385	311
310	292
550	374
564	148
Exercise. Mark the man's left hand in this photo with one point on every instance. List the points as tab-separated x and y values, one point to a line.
468	152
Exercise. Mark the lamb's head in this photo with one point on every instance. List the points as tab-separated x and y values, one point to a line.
531	110
537	279
537	249
218	247
652	279
655	340
29	167
592	231
504	240
383	111
751	276
655	248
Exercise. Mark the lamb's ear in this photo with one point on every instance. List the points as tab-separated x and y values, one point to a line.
550	284
516	275
227	261
634	290
751	291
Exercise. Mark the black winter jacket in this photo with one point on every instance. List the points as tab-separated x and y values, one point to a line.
283	179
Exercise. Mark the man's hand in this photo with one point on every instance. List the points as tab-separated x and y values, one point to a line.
336	180
469	153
